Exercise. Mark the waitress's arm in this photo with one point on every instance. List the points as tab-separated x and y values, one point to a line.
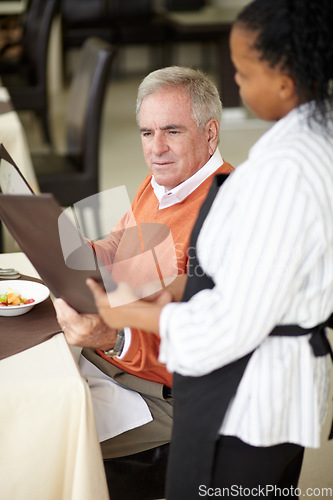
122	308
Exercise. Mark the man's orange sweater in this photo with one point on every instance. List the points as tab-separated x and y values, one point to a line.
141	359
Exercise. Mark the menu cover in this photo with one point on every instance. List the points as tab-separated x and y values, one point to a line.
11	178
55	247
53	244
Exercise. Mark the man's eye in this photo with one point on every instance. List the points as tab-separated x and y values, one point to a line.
146	134
173	132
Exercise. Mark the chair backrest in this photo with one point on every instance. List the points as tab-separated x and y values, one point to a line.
122	9
36	36
85	103
184	5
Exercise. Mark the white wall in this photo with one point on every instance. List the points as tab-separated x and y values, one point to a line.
136	59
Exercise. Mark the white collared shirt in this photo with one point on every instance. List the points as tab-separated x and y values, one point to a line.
180	192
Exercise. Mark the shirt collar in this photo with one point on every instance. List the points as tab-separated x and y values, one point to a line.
180	192
283	129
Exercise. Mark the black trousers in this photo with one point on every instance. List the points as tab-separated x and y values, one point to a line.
266	472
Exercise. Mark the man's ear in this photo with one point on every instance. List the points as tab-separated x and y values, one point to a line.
213	129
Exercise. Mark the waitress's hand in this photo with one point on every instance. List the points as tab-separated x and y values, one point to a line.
123	308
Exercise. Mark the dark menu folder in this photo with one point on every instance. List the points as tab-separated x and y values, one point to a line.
12	181
53	244
62	257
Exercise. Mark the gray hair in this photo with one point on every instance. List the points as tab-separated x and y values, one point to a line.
206	102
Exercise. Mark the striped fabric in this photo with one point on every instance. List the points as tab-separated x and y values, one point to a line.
268	245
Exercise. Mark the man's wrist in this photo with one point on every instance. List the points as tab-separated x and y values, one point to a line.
116	350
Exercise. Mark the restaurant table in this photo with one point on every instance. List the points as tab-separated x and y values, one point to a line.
209	24
49	445
13	137
12	7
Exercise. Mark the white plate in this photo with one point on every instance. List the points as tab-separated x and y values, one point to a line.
28	290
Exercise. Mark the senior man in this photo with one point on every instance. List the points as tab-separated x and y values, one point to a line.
179	113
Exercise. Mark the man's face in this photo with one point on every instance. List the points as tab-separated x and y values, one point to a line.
173	146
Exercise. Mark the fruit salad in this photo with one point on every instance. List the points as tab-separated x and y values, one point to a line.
11	298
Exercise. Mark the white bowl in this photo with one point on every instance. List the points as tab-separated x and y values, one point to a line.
28	290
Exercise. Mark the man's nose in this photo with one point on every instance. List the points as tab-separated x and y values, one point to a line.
160	144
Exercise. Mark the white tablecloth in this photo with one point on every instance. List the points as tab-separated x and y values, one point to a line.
12	8
49	447
13	137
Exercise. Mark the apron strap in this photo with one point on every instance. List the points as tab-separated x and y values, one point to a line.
318	341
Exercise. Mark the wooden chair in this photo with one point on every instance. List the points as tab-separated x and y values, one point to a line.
26	77
73	176
141	476
122	23
184	5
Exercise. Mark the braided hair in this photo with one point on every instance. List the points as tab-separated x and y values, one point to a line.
297	37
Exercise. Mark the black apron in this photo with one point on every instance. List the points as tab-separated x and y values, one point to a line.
200	403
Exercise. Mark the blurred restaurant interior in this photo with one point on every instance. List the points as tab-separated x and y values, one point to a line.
146	35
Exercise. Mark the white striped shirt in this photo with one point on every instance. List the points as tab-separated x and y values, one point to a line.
268	245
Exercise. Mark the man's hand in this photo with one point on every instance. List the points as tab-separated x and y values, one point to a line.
84	330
